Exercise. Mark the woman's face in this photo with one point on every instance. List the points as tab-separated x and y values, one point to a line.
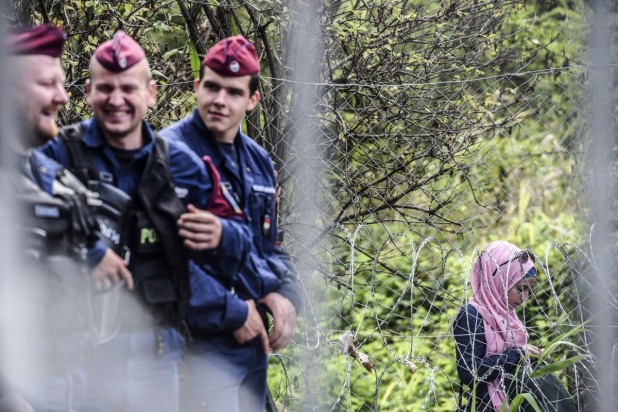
520	292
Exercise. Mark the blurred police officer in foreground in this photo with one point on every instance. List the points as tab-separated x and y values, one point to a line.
56	224
153	194
227	362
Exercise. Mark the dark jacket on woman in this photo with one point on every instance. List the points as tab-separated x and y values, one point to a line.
472	365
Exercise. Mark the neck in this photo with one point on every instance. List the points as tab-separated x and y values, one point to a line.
228	137
131	141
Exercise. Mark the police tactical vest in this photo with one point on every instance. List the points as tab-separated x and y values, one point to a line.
60	224
142	229
44	222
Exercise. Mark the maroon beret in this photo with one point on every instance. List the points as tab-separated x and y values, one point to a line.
233	56
120	53
42	39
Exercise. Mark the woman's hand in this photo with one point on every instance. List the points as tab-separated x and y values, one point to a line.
531	350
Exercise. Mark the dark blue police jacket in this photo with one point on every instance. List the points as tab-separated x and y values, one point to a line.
43	169
190	178
250	181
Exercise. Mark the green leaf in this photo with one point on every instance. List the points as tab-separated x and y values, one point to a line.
519	399
195	60
558	366
559	340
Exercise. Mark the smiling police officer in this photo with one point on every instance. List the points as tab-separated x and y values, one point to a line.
227	362
151	190
55	225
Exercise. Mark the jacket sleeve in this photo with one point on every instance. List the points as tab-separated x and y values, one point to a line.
282	265
213	308
189	172
234	246
471	346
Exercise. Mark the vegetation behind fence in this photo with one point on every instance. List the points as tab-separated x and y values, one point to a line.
437	127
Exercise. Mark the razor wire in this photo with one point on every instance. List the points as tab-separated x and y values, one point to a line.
403	215
414	179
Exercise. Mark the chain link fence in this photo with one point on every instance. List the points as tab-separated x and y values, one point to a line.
404	213
408	180
405	206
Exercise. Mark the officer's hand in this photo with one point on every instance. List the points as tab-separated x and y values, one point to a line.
284	315
111	270
200	229
253	327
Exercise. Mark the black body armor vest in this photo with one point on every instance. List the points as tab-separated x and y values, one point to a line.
142	229
62	224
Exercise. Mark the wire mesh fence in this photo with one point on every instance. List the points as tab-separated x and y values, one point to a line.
408	195
404	214
413	178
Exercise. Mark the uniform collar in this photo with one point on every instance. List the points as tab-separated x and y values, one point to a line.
218	157
94	138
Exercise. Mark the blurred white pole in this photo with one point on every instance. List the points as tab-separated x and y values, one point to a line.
304	54
12	347
603	143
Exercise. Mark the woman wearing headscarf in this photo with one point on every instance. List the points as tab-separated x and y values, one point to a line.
490	338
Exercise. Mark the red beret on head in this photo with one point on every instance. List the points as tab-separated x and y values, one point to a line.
233	56
43	39
120	53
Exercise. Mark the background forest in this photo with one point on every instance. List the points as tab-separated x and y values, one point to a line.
407	135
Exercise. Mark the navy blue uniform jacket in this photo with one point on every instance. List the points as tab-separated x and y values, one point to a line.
43	170
250	180
190	178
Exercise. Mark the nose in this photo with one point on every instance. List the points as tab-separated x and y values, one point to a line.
61	97
219	99
116	98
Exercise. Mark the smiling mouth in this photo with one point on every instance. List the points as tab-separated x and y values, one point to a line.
50	112
116	114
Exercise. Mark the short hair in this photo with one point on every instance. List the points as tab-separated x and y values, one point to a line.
254	80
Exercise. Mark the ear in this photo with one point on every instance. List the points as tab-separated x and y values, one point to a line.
196	85
88	90
254	99
152	93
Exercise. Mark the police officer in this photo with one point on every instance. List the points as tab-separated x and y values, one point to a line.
227	362
56	225
152	191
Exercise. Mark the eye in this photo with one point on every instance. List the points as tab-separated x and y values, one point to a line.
47	83
104	88
129	89
211	86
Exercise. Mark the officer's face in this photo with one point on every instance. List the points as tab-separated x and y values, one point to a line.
222	102
40	95
120	102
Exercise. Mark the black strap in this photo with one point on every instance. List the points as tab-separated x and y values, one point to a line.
158	197
80	160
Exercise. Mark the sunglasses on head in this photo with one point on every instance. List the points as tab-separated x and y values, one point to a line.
521	256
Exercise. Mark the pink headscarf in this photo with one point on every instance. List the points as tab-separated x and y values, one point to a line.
503	329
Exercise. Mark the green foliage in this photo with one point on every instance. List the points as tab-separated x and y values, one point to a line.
437	142
519	399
